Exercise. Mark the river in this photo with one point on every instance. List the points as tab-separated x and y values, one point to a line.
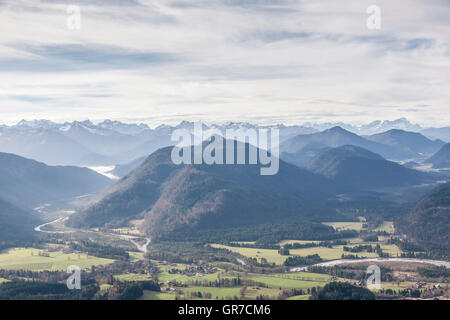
132	239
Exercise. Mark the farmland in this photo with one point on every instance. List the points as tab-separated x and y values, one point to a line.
152	295
39	259
339	226
387	226
244	270
269	254
272	255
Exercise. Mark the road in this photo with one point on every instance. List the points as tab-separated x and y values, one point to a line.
132	239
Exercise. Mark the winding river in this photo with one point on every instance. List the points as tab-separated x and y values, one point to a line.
132	239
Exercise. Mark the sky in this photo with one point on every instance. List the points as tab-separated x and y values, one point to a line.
262	61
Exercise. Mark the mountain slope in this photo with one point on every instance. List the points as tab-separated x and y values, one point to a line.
172	197
28	182
122	170
352	167
411	144
441	159
429	222
301	149
15	223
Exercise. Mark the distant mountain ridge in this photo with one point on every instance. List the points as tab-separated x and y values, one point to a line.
393	144
441	159
26	183
84	143
408	144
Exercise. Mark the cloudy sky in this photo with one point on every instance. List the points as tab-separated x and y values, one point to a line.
163	61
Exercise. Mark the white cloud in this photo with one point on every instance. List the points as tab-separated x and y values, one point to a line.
290	61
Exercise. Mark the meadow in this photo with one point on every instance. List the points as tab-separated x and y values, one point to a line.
269	254
220	293
153	295
387	226
30	259
300	297
285	283
325	253
340	226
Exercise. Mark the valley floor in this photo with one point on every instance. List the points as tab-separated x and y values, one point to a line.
122	258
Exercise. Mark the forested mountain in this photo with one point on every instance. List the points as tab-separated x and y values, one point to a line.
300	149
429	222
15	223
27	182
172	197
355	168
123	169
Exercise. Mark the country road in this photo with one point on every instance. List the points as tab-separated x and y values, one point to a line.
142	248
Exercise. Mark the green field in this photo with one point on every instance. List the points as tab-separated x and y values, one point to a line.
29	259
302	297
340	226
3	280
221	293
105	286
303	276
254	292
135	256
269	254
276	282
152	295
392	249
387	226
333	253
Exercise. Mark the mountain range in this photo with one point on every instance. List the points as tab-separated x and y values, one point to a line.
393	144
407	144
84	143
